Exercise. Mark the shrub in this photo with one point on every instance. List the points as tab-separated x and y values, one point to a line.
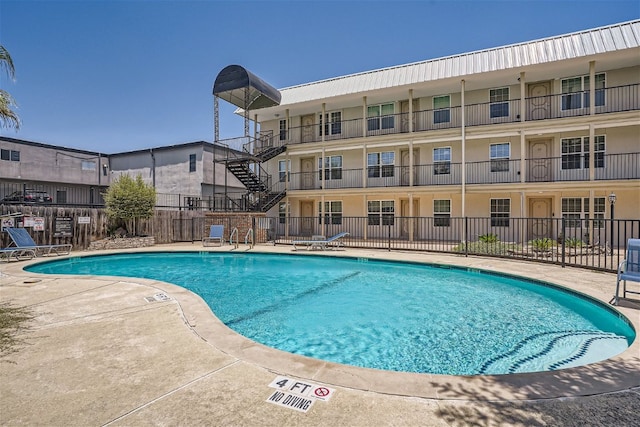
489	238
573	242
543	244
128	200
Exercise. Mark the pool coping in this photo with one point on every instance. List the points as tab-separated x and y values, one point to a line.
621	372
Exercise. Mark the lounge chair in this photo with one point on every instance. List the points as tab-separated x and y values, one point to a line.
22	240
629	269
216	234
17	253
333	241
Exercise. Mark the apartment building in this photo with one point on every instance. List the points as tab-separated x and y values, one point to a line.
544	129
67	175
182	174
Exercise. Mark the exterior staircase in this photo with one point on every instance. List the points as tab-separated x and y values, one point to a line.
246	167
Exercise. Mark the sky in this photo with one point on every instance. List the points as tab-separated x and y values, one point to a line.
115	76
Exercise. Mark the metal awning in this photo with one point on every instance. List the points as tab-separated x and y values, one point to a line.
245	90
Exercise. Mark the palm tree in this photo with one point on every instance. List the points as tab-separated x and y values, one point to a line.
8	117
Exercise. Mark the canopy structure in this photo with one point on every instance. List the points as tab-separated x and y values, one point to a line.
245	90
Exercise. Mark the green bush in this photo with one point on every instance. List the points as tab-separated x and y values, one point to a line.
483	248
489	238
127	200
573	242
543	244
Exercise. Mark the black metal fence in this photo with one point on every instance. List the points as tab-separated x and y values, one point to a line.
598	244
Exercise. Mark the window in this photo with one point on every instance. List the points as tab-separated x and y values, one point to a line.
575	152
283	130
332	212
380	117
575	209
284	167
192	162
576	92
441	112
61	196
10	155
598	211
500	210
282	212
499	102
380	212
441	213
499	155
442	161
88	165
380	165
332	167
333	123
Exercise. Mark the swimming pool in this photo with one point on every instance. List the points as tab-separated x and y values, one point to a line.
385	315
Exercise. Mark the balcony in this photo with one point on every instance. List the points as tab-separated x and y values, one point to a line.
553	169
609	100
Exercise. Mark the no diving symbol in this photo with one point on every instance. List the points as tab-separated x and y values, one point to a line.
321	392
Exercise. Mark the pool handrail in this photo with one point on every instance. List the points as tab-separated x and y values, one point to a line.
234	232
246	238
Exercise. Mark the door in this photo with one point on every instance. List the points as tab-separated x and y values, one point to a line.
409	224
539	100
308	178
306	212
405	169
539	162
404	117
540	225
308	127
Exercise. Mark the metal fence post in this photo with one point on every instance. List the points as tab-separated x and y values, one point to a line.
563	240
466	236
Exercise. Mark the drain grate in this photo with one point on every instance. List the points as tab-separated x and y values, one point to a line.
158	297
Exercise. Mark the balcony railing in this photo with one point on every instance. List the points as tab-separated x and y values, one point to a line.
607	100
565	168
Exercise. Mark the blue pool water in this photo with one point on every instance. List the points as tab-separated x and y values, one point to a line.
385	315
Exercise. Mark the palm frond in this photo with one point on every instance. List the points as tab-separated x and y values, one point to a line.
7	63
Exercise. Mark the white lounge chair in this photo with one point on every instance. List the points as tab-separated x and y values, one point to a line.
216	234
629	269
333	241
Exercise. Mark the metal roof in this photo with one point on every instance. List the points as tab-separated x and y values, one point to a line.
569	46
235	82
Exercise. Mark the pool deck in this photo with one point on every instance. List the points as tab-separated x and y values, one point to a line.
103	351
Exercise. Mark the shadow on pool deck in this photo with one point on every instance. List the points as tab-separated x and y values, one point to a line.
100	354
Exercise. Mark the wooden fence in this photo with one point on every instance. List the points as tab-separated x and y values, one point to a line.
93	226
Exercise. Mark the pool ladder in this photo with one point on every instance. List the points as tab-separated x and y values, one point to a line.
234	232
248	238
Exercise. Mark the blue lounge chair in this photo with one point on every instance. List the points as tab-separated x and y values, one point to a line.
22	240
216	234
17	253
333	241
629	269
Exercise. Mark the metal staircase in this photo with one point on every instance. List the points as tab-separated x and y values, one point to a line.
246	166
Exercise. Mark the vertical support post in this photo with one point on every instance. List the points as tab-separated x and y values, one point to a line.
246	111
464	166
564	230
466	233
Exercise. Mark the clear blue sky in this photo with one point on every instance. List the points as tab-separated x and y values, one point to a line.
115	76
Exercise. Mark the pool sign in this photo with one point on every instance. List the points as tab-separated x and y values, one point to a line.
298	395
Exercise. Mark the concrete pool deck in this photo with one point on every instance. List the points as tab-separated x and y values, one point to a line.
104	351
